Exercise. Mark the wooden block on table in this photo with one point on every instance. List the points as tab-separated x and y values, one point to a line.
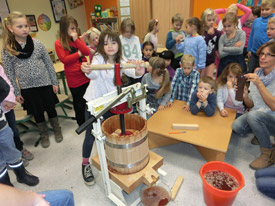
185	126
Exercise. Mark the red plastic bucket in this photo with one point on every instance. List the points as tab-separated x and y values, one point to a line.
214	196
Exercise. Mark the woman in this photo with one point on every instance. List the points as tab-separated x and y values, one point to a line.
261	101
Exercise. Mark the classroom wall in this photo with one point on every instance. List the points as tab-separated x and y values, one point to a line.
37	7
89	7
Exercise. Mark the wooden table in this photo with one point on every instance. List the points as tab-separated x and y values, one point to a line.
211	139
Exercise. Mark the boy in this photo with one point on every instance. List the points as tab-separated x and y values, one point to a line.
168	57
185	81
258	34
204	99
270	31
8	153
176	31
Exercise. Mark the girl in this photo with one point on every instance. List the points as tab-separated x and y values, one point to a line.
151	36
231	43
109	51
193	44
27	60
71	50
92	39
159	88
130	44
226	90
211	36
233	8
147	51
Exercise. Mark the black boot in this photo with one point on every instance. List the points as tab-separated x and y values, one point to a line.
23	176
4	178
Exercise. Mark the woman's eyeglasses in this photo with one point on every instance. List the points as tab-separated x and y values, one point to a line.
266	55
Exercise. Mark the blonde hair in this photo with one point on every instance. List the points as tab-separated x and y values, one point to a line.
64	24
268	3
208	80
204	15
8	36
271	20
152	23
188	59
91	33
232	8
234	68
128	22
231	18
158	68
177	17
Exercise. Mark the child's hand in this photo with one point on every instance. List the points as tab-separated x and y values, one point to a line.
211	31
84	36
9	105
224	113
92	51
38	200
249	55
85	67
20	99
74	35
186	108
229	85
55	88
179	38
238	44
161	108
139	70
169	104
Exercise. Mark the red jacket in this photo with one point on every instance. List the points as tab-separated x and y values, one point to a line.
72	61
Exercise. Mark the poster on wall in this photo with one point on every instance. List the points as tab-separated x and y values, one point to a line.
32	23
250	2
59	9
44	22
75	3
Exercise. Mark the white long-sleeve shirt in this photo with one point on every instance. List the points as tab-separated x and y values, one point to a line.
102	81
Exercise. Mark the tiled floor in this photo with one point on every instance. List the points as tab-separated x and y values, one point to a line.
59	166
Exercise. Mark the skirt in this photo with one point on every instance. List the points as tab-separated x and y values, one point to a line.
39	99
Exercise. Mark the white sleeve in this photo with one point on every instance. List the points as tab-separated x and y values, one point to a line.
97	59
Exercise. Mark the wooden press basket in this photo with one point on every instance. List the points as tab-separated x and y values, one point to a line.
126	154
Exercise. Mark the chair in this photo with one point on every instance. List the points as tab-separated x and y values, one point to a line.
63	99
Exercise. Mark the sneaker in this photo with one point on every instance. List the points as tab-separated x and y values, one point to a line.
27	155
88	174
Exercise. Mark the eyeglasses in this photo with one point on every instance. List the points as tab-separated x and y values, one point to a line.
266	55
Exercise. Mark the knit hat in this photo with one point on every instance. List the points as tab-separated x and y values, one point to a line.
167	55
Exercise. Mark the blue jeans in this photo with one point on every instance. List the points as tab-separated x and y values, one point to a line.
59	197
260	123
265	181
10	117
8	153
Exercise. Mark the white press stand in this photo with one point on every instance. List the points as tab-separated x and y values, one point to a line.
132	94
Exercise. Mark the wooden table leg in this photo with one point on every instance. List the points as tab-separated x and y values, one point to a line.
211	155
155	140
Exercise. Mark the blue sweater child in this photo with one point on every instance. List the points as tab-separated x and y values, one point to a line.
204	99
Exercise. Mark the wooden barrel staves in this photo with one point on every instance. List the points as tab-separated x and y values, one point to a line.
126	154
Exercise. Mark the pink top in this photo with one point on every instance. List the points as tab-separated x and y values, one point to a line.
91	55
11	96
247	11
229	104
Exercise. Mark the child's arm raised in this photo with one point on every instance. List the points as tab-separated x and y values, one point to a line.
211	106
247	11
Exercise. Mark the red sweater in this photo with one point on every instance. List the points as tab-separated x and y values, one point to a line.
72	62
